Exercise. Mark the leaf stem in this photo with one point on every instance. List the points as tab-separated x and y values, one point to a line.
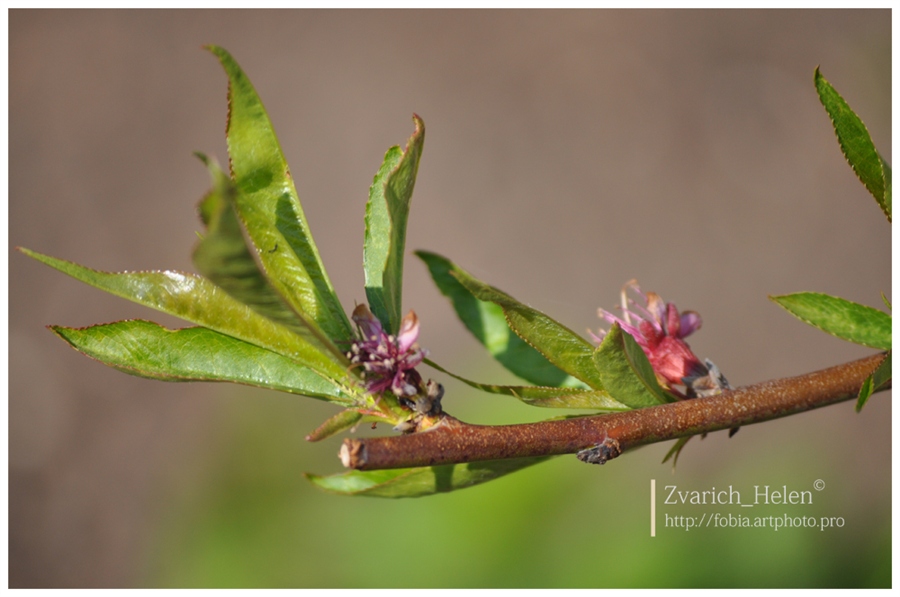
453	441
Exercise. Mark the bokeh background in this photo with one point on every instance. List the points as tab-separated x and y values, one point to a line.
566	152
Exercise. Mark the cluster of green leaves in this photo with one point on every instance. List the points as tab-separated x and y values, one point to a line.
566	370
266	314
839	317
265	311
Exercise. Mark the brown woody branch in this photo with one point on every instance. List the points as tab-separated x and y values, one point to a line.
453	441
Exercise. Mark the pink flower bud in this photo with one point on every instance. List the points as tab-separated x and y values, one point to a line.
659	328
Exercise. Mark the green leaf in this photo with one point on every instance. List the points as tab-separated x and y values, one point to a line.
546	396
675	451
626	372
343	420
887	303
839	317
270	209
488	324
147	349
386	215
224	256
377	245
879	378
557	343
197	300
418	482
857	145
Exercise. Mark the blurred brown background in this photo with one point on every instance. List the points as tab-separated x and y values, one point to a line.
566	152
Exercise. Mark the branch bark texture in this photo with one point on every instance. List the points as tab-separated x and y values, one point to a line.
453	441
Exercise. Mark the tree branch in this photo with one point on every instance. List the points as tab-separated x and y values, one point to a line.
453	441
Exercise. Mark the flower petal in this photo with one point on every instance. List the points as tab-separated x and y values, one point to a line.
690	323
674	360
649	336
367	322
657	308
673	321
409	331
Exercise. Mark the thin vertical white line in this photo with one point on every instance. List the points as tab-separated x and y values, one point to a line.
653	507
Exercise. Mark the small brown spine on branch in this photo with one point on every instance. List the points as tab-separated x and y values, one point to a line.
453	441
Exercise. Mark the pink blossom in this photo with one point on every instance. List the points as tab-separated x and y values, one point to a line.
659	329
388	362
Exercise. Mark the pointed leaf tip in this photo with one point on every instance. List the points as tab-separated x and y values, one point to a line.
839	317
335	424
856	144
675	451
270	211
387	213
146	349
878	379
196	299
626	372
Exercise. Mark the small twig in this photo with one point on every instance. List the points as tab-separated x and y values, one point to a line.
453	441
